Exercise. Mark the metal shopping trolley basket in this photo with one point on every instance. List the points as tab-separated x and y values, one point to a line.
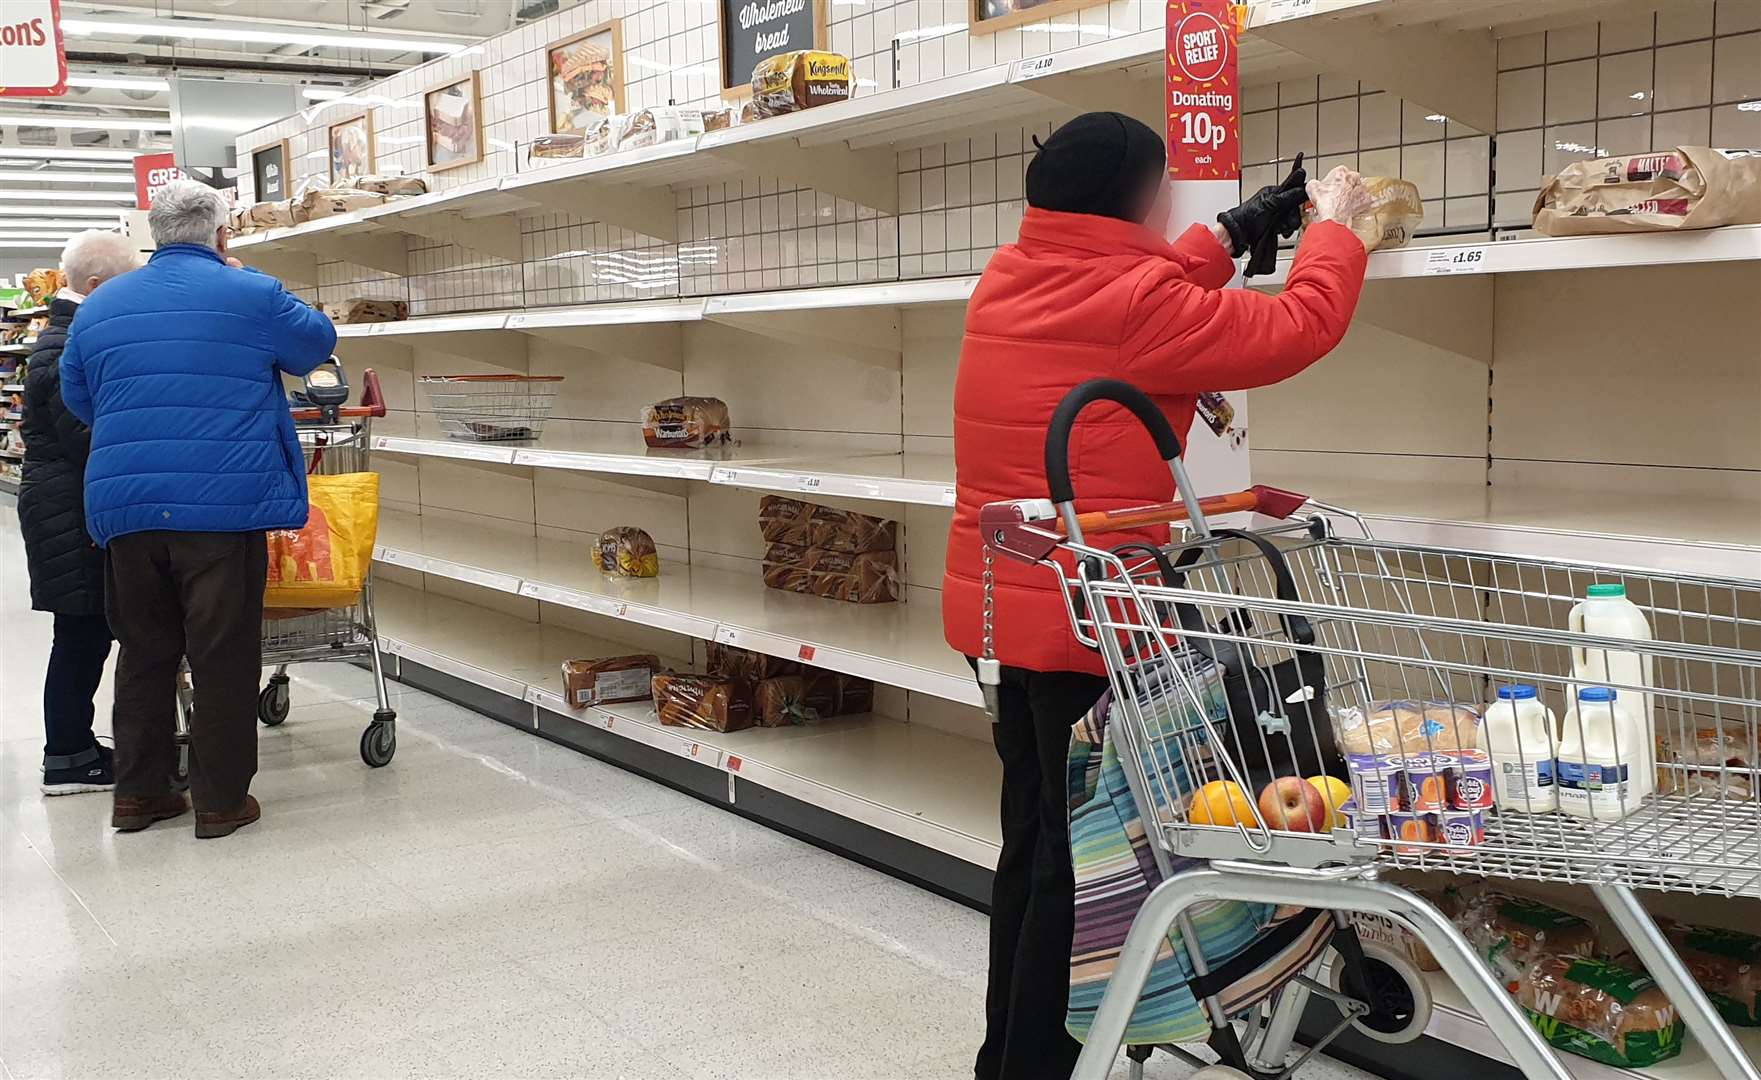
336	439
1275	651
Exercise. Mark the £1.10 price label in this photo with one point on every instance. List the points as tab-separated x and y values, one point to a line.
1470	260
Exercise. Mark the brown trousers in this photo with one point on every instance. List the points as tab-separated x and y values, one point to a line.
175	594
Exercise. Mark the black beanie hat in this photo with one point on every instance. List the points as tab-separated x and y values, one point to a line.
1103	163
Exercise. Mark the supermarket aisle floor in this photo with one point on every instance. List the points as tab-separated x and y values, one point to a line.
490	905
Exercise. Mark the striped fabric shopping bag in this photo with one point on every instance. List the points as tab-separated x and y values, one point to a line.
1115	872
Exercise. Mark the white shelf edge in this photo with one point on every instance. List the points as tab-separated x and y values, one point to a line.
619	313
447	448
1729	243
614	464
681	743
863	665
438	324
939	290
804	480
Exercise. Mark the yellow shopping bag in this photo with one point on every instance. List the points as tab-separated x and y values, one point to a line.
324	565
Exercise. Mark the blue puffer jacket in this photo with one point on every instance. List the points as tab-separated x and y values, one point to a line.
176	368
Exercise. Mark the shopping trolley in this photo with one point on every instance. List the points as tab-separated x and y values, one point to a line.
1387	621
335	439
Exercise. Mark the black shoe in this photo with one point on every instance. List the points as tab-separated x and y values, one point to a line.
98	775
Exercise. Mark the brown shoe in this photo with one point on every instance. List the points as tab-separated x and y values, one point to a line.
213	824
133	815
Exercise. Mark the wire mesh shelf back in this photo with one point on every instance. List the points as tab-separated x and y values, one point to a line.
1414	644
492	408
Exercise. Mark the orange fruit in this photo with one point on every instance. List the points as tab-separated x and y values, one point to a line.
1221	802
1335	793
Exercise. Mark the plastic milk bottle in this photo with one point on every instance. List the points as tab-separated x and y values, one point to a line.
1520	738
1606	612
1599	770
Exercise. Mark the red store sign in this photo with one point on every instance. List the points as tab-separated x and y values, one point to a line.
152	172
1203	94
33	58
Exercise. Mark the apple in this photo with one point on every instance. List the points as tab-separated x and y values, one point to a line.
1294	805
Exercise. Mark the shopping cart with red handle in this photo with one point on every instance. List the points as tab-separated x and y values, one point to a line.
335	439
1374	622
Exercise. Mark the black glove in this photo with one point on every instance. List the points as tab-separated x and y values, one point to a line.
1272	212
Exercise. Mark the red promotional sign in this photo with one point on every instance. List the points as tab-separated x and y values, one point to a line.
33	58
152	172
1204	100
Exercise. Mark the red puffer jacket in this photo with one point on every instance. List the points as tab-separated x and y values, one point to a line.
1081	297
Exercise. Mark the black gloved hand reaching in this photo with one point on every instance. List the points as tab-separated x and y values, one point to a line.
1272	212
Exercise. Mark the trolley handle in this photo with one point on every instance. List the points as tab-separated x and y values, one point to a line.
1119	392
372	402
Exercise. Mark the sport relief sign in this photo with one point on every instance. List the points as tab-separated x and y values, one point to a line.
1203	94
33	58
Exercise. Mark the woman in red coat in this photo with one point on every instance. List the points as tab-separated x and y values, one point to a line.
1091	290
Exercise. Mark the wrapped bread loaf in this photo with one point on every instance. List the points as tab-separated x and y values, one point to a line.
847	530
271	215
869	578
609	680
792	81
362	310
238	221
1690	187
387	185
719	119
1510	932
1726	964
1600	1010
328	202
784	520
808	697
626	551
1394	213
1407	727
702	701
730	662
602	135
662	123
687	423
553	147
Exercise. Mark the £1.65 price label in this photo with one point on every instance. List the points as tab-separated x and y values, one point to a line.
1470	260
1204	141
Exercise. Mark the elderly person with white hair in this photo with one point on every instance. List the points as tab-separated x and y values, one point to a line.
177	368
67	570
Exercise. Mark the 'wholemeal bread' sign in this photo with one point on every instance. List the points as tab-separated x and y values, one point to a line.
752	31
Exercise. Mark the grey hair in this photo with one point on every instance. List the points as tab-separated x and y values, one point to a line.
96	253
186	212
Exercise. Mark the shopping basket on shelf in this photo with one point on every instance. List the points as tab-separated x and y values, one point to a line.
336	441
492	408
1237	656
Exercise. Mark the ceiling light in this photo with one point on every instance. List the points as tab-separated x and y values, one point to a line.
59	195
76	153
206	31
21	245
60	237
57	224
322	93
95	123
68	177
118	82
100	212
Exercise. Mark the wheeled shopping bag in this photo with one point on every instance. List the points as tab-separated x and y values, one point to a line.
1219	640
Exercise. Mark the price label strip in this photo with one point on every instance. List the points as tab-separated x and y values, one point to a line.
1033	67
1469	260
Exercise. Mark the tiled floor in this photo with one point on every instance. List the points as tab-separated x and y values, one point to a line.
490	905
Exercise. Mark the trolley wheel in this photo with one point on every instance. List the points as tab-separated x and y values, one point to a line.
1396	992
273	702
378	744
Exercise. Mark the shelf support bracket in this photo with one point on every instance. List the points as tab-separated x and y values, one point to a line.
866	177
649	211
1454	72
494	236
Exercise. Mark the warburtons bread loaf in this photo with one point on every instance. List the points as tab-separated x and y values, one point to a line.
792	81
1395	211
1726	964
785	700
387	185
1408	727
702	701
359	309
552	147
1600	1010
626	551
731	662
687	423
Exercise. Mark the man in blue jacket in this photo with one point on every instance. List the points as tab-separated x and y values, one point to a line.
177	368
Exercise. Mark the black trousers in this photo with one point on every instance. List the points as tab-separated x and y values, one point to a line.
200	595
1034	894
76	666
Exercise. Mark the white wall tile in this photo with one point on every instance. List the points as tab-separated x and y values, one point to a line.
1688	127
1571	92
1519	98
1522	50
1683	76
1736	68
1623	84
